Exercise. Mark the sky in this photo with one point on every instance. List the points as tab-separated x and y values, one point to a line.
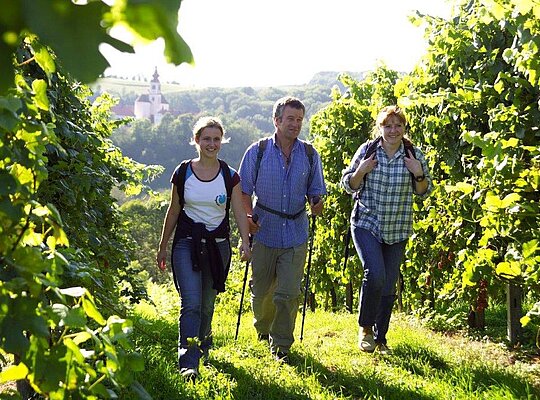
260	43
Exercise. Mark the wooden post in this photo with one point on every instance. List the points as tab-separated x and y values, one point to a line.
312	301
513	307
333	295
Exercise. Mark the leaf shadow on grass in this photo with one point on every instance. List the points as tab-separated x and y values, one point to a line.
418	360
347	385
161	377
249	388
427	363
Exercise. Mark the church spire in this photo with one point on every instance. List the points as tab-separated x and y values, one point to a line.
155	76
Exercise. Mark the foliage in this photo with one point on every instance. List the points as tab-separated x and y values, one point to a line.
245	112
86	27
144	219
472	103
60	262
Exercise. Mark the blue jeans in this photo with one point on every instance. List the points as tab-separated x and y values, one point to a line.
197	298
381	264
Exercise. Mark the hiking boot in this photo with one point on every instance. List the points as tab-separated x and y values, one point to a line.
383	349
366	342
189	374
282	357
263	337
205	356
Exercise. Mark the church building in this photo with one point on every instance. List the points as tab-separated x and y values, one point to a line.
151	105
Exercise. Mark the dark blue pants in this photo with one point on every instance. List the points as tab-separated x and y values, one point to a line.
381	264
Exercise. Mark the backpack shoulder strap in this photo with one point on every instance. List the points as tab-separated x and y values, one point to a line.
371	147
310	152
182	180
261	148
408	146
228	181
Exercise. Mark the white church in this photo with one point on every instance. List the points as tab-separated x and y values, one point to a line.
151	105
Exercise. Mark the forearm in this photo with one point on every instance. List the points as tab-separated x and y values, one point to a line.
421	187
169	224
247	204
356	179
240	214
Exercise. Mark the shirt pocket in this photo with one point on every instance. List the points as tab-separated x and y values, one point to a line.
299	176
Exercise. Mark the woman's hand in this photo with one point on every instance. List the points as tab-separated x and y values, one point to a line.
413	165
160	259
367	165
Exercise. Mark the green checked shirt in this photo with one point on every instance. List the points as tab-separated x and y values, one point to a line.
384	200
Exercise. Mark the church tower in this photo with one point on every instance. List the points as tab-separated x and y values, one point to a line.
151	105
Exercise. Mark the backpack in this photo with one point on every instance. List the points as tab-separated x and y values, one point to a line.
372	148
226	177
308	147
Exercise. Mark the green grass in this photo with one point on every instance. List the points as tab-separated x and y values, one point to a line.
328	364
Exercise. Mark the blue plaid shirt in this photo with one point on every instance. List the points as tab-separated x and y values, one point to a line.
283	189
384	200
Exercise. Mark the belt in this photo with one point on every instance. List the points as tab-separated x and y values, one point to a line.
279	213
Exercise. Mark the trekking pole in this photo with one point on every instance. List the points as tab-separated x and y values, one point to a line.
254	219
315	201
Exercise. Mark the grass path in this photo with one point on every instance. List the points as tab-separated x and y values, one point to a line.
328	365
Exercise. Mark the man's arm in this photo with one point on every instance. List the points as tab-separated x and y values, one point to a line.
248	208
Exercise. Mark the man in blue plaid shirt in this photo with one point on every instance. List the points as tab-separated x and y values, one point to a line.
281	182
383	182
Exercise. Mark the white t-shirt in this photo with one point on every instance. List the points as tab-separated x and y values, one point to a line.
206	201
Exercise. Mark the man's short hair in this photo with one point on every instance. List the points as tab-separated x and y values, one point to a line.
287	101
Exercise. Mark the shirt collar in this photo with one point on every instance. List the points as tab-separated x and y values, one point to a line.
296	143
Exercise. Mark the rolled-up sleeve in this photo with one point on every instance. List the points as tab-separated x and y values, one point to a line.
317	186
247	169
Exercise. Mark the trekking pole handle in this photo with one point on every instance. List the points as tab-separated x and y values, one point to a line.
254	218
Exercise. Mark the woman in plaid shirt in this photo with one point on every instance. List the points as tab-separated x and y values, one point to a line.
383	176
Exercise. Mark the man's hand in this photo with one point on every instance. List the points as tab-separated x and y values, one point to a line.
316	205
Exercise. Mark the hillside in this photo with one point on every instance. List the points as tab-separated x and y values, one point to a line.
119	85
246	113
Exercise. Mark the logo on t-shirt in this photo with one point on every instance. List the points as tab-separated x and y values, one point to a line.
221	199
